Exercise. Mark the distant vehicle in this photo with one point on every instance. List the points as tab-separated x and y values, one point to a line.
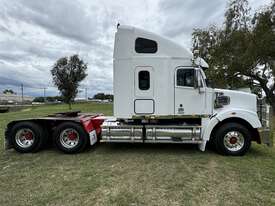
161	95
95	100
80	99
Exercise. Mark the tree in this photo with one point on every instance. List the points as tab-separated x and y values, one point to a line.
49	99
39	99
103	96
8	91
100	96
67	74
241	52
237	16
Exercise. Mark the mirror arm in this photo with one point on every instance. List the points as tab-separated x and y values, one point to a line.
196	82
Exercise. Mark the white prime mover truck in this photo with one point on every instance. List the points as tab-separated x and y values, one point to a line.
161	95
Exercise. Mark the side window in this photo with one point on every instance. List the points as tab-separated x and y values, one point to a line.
143	45
144	80
185	77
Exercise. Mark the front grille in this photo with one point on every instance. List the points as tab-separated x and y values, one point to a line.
264	113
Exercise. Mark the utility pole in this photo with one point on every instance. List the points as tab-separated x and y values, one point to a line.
22	93
86	94
44	91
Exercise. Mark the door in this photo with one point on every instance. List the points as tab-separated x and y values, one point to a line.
144	91
189	92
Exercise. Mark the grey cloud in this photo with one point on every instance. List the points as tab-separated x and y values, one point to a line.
3	29
9	82
22	74
10	57
27	50
64	18
34	34
182	16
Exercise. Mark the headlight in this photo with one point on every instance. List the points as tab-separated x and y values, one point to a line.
221	100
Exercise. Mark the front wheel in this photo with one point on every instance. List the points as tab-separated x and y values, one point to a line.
70	138
232	139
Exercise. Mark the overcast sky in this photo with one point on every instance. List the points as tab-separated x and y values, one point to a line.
35	33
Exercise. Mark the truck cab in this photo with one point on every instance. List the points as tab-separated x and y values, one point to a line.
161	95
154	76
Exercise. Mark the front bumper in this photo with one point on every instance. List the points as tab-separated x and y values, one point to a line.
265	114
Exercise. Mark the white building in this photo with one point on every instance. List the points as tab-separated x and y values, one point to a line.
14	98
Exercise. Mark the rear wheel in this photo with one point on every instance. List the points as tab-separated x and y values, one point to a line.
70	137
27	137
232	139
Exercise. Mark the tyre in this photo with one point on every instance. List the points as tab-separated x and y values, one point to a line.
232	139
70	137
27	137
211	145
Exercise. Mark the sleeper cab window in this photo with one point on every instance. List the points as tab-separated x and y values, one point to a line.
144	80
143	45
185	77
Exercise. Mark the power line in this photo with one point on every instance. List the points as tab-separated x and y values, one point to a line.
22	93
86	93
44	91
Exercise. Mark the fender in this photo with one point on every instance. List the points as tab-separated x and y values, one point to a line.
248	116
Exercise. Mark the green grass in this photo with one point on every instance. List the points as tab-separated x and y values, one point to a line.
133	174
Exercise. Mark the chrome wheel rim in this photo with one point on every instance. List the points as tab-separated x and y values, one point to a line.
69	138
24	138
234	141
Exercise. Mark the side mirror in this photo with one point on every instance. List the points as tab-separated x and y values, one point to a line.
197	83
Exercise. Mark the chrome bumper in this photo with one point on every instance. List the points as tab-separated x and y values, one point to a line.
266	136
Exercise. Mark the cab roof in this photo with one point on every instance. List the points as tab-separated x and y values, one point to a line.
125	41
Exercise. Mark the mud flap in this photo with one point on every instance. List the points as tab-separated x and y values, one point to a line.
202	146
93	137
7	142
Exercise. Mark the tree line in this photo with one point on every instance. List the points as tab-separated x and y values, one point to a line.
241	53
100	96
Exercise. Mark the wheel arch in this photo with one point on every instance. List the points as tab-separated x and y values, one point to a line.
254	132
